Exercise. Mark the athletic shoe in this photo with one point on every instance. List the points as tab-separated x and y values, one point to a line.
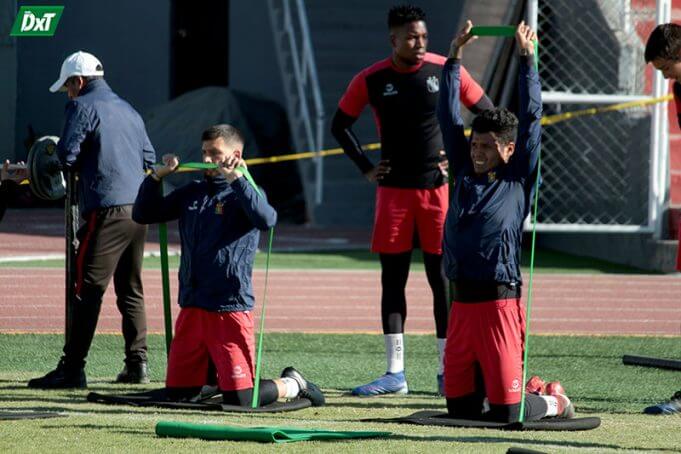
565	407
535	385
135	373
672	406
207	392
308	390
60	378
390	383
441	384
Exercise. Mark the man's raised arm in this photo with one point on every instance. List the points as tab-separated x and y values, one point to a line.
528	143
449	106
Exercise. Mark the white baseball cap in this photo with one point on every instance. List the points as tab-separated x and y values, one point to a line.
77	64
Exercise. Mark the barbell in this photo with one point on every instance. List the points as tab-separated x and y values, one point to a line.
43	169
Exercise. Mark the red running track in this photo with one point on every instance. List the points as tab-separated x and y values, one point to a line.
348	301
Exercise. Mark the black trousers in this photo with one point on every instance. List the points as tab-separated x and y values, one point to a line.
111	244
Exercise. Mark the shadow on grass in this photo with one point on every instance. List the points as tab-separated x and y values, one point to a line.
107	427
387	404
515	441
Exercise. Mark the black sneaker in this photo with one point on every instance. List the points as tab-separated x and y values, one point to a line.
308	390
60	378
136	373
671	407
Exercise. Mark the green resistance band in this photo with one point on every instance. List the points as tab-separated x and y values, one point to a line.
505	31
163	239
509	31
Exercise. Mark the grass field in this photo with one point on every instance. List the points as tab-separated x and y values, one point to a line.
589	367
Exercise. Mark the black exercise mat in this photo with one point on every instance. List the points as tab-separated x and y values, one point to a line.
437	418
10	415
158	398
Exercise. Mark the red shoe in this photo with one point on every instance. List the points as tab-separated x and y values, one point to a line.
565	407
554	388
535	385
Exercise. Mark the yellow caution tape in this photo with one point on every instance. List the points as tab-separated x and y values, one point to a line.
546	121
553	119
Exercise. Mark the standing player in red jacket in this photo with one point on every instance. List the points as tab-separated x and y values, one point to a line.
412	193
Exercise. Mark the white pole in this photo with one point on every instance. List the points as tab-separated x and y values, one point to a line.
658	141
533	14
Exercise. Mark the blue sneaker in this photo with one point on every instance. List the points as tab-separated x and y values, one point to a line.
670	407
441	384
390	383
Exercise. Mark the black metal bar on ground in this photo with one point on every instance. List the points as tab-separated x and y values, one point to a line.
646	361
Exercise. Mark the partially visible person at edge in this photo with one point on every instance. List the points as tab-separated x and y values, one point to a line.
10	176
663	50
412	192
104	139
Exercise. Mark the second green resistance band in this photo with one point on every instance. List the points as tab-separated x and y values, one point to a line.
163	240
509	31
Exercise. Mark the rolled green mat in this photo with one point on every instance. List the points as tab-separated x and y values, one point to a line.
493	30
260	434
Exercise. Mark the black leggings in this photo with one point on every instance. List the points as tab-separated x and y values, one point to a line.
268	393
470	407
394	274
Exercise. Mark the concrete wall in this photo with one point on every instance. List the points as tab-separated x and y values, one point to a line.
253	66
636	250
131	38
8	79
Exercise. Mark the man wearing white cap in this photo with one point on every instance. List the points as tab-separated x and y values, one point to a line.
105	141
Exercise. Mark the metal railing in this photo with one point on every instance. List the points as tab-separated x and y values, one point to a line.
299	75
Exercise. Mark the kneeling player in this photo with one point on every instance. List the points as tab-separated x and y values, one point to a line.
219	220
495	177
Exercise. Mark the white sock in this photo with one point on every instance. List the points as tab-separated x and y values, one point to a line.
552	404
394	352
441	351
292	387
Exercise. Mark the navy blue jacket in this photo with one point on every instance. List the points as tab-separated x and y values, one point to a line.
219	231
483	230
105	140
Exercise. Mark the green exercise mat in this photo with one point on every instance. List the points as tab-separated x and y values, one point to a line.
260	434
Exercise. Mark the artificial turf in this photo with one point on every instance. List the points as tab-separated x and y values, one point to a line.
589	367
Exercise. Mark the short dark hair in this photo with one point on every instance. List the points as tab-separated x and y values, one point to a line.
404	14
500	121
228	133
664	42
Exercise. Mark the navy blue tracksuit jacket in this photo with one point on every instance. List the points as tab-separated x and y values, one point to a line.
483	229
105	140
219	231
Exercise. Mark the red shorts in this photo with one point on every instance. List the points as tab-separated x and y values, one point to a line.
224	337
491	334
399	211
